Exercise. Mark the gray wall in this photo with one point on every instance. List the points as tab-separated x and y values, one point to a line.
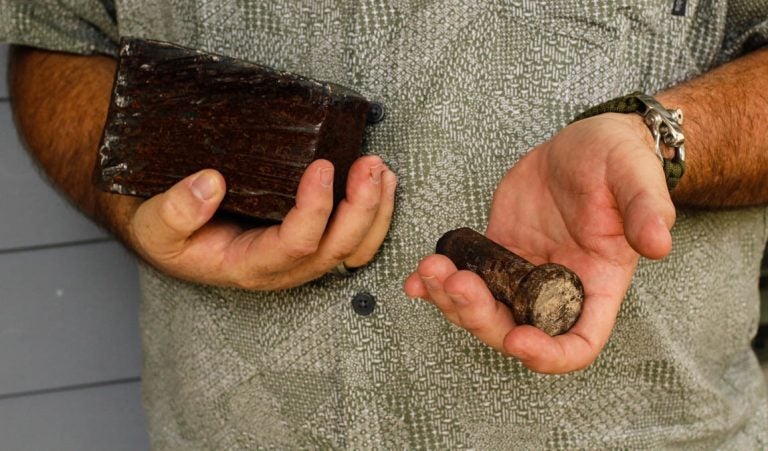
70	354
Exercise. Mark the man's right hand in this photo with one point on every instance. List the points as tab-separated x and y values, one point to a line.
175	232
60	103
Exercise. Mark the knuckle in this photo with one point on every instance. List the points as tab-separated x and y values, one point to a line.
321	209
340	253
426	265
301	249
474	327
371	208
169	213
313	211
368	160
670	213
476	324
325	209
143	236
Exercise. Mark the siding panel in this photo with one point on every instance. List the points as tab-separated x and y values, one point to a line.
32	212
68	316
3	71
103	418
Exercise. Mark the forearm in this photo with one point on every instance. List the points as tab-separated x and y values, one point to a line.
60	103
726	134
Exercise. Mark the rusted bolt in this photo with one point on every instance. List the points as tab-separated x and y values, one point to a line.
548	296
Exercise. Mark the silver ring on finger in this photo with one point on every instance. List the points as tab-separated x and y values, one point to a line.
342	270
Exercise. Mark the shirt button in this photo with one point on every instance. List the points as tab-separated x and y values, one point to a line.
376	113
363	303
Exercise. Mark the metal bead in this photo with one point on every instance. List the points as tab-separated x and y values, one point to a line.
677	115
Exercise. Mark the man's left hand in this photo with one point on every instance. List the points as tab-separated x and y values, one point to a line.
594	199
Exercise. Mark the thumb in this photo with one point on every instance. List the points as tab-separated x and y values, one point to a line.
163	224
646	208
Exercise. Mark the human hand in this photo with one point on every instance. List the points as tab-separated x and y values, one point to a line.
593	198
174	231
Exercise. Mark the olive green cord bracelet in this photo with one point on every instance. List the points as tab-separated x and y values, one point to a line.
663	124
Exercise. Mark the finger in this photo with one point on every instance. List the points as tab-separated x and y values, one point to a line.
414	287
303	226
355	215
645	206
278	248
433	270
377	232
572	351
477	310
163	224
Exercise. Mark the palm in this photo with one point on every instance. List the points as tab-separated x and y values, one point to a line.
593	199
574	220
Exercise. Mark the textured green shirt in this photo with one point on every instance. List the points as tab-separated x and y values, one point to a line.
470	87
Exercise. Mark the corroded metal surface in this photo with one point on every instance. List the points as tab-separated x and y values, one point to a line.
548	296
175	111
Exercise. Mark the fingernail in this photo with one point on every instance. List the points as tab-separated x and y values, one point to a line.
430	282
326	177
376	173
204	186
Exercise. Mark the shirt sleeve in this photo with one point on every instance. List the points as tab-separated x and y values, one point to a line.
77	26
747	28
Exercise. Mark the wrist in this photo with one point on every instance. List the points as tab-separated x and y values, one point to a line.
641	130
664	125
114	212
